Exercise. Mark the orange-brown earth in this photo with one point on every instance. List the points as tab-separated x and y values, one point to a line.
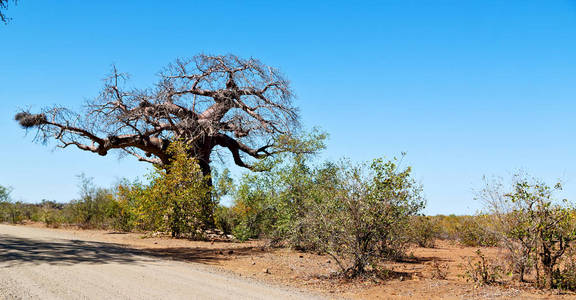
419	277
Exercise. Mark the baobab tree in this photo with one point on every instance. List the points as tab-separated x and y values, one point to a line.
237	104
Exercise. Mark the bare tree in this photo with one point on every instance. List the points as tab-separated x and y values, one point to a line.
3	6
238	104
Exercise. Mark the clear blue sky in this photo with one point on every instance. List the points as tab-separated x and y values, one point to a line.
466	88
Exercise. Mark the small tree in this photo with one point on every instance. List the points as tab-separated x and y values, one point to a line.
423	231
274	203
10	211
176	200
4	194
96	206
364	217
536	229
5	204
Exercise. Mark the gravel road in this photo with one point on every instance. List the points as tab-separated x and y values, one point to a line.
38	263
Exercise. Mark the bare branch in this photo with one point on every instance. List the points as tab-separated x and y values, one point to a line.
199	100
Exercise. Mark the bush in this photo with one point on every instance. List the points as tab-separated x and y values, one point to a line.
224	219
53	218
474	231
448	226
365	216
565	278
5	204
273	204
483	271
10	211
423	231
128	197
357	214
536	229
255	209
96	207
177	199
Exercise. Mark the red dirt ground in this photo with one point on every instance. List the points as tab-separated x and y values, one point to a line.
417	278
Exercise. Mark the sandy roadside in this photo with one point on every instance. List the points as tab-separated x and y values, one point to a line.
37	263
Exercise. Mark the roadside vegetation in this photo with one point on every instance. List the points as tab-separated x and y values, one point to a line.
359	214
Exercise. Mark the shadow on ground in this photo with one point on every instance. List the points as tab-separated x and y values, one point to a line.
421	259
18	251
202	255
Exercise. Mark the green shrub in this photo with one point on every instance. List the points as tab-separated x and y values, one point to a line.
448	226
51	213
5	204
476	232
483	271
224	219
364	216
10	211
564	278
242	232
254	207
423	231
96	207
273	204
54	218
128	197
177	199
536	229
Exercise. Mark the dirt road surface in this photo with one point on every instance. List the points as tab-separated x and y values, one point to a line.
37	263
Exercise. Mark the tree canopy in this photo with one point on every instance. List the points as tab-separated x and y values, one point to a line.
238	104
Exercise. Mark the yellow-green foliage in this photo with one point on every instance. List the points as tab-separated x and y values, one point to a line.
16	211
470	231
96	207
273	203
537	229
128	196
51	213
477	231
365	216
5	205
424	231
177	199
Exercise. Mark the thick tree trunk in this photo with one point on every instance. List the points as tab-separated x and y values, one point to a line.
208	204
